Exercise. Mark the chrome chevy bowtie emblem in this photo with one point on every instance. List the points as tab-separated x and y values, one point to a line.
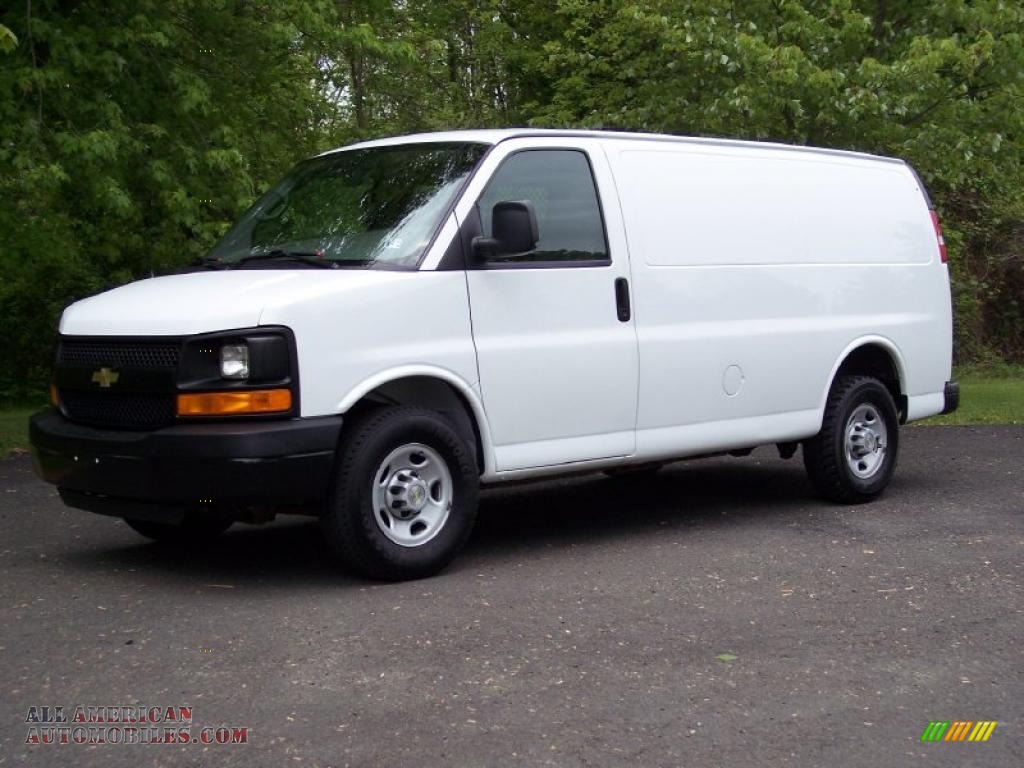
105	377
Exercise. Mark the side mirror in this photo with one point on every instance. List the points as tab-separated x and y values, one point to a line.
514	231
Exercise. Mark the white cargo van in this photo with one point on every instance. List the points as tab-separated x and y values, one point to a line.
399	321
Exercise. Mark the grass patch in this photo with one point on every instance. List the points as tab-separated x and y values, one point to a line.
987	400
990	370
14	429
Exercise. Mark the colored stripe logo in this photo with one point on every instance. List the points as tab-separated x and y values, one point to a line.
958	730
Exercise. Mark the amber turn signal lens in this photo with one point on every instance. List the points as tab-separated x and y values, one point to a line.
54	396
231	403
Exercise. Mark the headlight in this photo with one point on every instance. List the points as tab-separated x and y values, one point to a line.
234	361
239	359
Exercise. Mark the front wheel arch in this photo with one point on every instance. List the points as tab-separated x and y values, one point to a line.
432	388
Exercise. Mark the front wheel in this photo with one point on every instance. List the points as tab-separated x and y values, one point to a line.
853	458
404	497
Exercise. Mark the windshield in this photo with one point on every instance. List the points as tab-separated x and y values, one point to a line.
362	207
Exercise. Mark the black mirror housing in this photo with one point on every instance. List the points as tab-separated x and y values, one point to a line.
514	231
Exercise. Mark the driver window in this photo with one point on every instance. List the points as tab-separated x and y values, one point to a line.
561	187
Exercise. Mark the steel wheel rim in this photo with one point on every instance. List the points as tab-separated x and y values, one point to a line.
412	495
867	441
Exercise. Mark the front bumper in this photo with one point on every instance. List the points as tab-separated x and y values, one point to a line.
951	397
158	474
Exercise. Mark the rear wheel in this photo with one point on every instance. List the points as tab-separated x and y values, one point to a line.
405	494
196	528
853	458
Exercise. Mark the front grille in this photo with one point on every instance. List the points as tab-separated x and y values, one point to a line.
135	366
125	410
119	354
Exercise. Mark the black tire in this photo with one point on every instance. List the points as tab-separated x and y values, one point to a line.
196	528
825	454
350	522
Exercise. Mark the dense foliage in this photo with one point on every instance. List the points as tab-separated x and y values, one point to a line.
133	131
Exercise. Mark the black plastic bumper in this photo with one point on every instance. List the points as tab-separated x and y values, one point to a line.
951	393
157	474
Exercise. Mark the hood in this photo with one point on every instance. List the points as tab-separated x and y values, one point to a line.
202	302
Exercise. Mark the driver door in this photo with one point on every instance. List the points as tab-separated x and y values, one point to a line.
556	347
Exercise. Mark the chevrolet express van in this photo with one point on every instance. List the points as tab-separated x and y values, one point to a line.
400	321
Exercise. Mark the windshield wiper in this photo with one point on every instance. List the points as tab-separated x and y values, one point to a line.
279	254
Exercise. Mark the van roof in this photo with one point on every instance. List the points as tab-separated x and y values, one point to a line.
496	135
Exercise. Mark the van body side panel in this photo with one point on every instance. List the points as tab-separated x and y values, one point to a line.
771	207
754	269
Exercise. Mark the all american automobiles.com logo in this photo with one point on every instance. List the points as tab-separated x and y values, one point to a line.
125	725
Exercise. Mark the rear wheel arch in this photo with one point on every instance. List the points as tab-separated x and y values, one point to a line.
877	358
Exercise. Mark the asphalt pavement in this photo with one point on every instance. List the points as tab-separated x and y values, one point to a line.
715	615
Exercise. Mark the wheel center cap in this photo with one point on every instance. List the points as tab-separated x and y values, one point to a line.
870	441
417	496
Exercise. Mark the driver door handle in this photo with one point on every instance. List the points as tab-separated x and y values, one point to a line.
622	299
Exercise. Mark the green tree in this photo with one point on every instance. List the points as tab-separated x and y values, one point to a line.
131	132
937	83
